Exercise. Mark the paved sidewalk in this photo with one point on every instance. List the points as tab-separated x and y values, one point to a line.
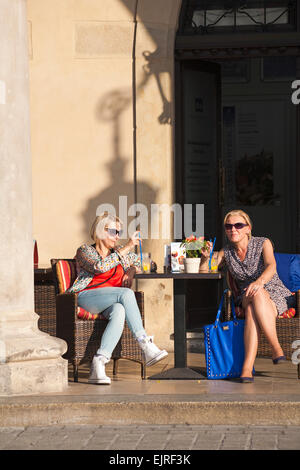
150	437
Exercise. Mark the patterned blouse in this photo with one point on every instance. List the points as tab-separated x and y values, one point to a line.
247	271
89	262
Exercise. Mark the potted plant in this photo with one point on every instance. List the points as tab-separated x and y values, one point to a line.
193	247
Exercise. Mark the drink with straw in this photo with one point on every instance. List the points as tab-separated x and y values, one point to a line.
141	253
146	263
145	259
211	257
214	262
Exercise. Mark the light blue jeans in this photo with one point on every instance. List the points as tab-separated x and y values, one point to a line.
116	304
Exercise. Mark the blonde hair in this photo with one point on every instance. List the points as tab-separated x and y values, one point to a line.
240	213
101	223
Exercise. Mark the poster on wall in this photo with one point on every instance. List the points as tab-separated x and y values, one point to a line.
249	164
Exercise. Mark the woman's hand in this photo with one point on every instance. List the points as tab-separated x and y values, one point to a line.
128	277
134	240
205	252
253	288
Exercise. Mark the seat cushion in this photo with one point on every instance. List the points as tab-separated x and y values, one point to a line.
283	263
85	315
295	273
290	313
288	268
66	274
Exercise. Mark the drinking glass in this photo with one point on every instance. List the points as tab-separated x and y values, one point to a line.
214	262
146	262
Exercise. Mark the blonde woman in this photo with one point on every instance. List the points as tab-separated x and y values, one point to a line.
263	296
103	286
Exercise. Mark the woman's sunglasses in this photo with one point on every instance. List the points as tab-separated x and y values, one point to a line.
114	232
237	226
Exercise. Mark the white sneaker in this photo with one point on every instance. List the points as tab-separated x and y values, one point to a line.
97	374
152	353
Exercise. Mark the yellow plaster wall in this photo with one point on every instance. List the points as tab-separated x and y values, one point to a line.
81	99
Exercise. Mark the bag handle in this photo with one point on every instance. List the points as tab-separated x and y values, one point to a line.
221	306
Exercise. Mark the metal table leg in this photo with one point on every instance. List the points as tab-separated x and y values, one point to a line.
180	371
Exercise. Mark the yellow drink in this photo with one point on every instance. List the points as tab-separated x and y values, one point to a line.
214	267
214	263
146	267
146	263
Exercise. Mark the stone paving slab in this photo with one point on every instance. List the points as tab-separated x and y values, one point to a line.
152	437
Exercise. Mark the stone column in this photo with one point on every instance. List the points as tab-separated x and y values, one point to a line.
30	361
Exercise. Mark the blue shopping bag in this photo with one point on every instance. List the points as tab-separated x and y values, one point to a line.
224	346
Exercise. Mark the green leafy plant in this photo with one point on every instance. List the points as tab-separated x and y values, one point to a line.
193	246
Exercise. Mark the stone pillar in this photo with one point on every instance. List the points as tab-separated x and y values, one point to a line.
30	361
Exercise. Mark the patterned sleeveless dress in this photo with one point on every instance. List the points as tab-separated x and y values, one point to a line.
247	271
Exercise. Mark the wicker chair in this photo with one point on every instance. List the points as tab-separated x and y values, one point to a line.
83	336
288	329
44	302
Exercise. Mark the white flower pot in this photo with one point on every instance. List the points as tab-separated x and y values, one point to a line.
191	265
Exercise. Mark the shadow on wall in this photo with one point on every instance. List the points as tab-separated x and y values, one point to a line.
110	109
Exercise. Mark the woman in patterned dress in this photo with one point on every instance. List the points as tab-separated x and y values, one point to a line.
262	294
103	286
